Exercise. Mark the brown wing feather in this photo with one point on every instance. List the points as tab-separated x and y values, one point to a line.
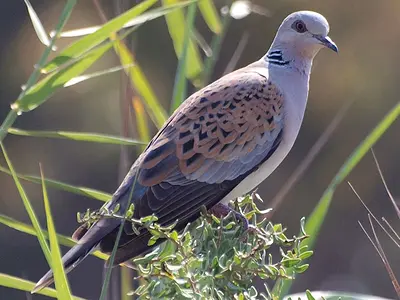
224	122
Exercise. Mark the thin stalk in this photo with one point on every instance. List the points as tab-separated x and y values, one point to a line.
216	43
180	85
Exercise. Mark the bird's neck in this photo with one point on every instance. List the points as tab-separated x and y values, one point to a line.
286	58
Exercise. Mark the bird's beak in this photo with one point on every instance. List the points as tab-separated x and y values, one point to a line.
327	42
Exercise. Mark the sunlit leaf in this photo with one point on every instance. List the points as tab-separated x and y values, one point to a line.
180	85
143	18
29	209
78	136
216	43
60	277
28	229
141	120
26	285
210	15
85	77
86	43
79	190
41	91
142	86
176	26
38	26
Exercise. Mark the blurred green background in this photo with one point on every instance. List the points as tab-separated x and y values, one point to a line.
365	71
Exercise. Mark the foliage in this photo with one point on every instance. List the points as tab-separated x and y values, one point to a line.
214	258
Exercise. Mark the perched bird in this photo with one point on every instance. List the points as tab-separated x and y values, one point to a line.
219	144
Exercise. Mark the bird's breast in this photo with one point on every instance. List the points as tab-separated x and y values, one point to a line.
294	108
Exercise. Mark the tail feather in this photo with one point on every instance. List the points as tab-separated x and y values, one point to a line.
88	242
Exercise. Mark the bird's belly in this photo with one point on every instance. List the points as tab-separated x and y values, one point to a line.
291	130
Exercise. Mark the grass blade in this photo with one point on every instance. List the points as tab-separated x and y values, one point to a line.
26	285
180	85
216	43
83	78
76	49
107	276
13	113
60	278
37	25
29	209
79	190
78	136
28	229
176	27
41	91
143	18
317	217
141	120
210	15
140	83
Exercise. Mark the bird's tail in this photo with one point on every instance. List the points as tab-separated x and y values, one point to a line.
89	241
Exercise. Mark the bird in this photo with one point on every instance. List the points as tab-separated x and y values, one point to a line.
219	144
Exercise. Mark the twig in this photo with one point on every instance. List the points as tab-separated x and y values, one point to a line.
315	149
238	53
396	208
391	228
370	213
385	260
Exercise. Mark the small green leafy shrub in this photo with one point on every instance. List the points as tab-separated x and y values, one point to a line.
215	258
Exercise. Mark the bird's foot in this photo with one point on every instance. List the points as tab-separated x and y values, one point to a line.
221	210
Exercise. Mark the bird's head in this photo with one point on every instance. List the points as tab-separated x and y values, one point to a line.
306	32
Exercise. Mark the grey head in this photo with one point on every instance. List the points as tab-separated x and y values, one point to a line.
302	34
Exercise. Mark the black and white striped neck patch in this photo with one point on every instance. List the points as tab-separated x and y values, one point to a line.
275	57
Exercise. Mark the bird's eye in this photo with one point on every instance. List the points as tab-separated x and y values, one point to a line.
299	26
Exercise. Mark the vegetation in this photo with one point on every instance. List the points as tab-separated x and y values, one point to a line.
213	258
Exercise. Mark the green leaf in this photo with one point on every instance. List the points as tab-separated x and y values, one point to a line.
60	277
28	229
317	217
13	113
315	220
29	209
290	262
180	85
37	25
143	18
176	27
79	190
302	268
210	15
26	285
141	120
41	91
139	81
78	136
76	49
306	254
216	42
174	235
309	296
85	77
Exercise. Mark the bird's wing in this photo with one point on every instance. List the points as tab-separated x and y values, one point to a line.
213	141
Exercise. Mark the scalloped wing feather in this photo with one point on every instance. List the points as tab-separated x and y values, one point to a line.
219	133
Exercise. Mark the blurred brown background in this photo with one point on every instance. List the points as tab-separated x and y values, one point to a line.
366	70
